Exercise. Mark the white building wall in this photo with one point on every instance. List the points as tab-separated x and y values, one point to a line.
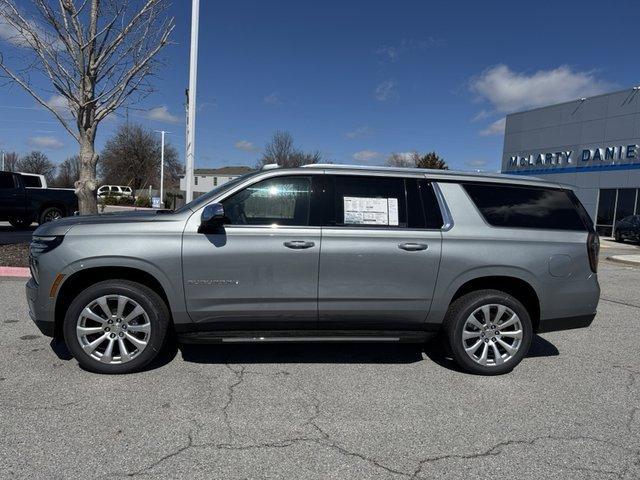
205	183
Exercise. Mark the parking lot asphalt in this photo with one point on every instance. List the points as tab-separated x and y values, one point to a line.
570	410
9	235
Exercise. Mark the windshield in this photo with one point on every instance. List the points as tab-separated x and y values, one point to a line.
204	199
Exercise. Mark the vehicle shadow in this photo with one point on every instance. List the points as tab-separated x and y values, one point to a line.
376	353
348	353
540	347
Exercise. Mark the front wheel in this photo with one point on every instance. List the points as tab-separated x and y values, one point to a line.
488	332
116	326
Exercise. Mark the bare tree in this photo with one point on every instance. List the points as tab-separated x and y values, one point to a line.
401	160
95	55
132	157
10	161
281	150
36	162
418	160
68	172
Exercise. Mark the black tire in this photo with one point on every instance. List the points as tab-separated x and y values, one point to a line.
457	315
20	223
618	237
150	301
49	214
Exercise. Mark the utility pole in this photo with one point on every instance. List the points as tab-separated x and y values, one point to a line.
193	74
162	134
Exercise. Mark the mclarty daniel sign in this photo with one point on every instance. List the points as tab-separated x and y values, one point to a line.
610	154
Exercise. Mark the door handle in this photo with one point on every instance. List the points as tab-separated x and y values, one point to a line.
413	247
299	244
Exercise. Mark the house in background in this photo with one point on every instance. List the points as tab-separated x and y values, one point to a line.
205	179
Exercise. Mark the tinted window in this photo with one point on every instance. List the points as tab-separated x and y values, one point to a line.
6	181
368	201
606	206
432	211
423	210
280	201
526	207
31	181
626	202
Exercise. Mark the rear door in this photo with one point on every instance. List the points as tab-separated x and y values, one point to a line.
12	196
380	253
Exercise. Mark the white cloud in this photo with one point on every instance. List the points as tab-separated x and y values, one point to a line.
45	142
245	146
496	128
476	163
366	155
162	114
359	133
20	37
272	99
509	91
385	91
481	115
60	104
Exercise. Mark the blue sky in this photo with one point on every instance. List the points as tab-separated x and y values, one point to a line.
358	80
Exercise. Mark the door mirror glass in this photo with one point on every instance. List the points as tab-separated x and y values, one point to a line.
212	216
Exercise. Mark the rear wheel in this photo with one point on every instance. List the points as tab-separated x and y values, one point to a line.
19	223
49	214
488	332
116	326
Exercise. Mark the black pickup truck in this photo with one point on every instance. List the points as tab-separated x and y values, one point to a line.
22	206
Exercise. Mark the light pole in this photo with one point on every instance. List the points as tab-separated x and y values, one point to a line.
162	134
191	120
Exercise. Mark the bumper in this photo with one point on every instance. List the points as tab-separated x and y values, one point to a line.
40	316
565	323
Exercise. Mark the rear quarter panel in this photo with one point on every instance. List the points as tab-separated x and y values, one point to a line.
555	263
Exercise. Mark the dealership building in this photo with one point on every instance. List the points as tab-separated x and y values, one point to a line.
590	143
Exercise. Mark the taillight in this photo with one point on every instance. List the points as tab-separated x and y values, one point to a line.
593	248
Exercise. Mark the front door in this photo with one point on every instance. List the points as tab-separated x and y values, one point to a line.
12	199
380	258
261	270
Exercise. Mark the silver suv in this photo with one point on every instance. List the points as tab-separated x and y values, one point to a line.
325	253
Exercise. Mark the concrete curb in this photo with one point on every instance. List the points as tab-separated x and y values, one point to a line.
19	272
634	260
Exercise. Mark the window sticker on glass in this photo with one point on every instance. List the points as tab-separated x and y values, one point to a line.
370	211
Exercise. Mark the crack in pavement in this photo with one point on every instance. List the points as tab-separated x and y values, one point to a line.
324	439
497	449
619	302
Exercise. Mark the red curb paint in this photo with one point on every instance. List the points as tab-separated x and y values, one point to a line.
15	272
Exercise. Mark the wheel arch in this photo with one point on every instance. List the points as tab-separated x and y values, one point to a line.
514	286
81	279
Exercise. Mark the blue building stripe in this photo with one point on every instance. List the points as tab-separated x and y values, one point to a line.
590	168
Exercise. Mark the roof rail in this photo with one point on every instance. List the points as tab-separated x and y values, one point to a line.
270	166
319	165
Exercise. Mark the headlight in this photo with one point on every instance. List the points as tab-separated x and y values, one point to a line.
38	246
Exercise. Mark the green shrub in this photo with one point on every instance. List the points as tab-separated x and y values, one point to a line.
143	201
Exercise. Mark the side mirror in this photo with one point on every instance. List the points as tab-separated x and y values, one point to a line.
212	217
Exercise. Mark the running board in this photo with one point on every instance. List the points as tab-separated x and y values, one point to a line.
306	336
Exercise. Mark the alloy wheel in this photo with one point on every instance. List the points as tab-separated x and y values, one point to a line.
113	329
52	215
492	335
